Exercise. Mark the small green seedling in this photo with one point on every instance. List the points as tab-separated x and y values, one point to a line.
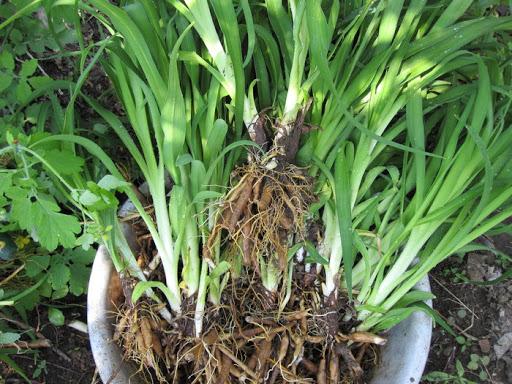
463	342
447	378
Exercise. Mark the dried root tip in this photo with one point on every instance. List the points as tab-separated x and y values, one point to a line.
309	365
334	369
225	368
362	337
265	198
121	327
263	356
283	348
157	346
237	373
239	207
147	333
253	360
361	353
298	350
246	370
321	376
315	339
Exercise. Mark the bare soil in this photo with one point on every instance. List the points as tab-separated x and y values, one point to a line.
69	360
482	315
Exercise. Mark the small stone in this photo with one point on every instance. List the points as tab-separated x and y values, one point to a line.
503	345
474	267
492	273
461	313
485	345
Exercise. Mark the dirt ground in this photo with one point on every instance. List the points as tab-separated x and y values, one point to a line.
69	360
480	315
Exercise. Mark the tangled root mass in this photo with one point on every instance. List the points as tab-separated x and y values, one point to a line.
248	338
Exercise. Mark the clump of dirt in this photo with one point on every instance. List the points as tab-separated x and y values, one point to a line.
68	358
481	315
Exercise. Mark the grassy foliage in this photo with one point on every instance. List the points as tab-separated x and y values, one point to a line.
387	82
408	136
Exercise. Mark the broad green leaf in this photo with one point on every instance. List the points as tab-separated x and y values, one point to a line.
135	43
60	293
436	317
44	221
282	27
184	159
28	68
226	17
36	264
388	23
197	177
177	211
6	60
251	36
206	195
293	250
453	11
173	119
215	140
64	161
79	279
416	130
59	276
30	301
38	82
18	296
5	81
438	377
9	337
56	317
23	91
120	130
90	200
226	150
392	318
112	183
80	256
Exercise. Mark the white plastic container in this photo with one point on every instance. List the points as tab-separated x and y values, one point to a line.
403	358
